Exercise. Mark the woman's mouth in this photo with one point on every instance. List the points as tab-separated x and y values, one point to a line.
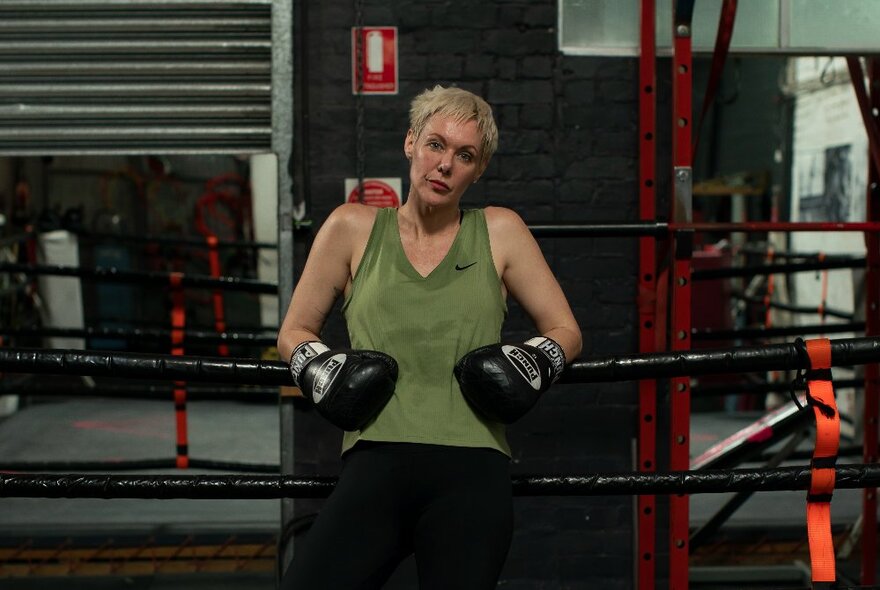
438	184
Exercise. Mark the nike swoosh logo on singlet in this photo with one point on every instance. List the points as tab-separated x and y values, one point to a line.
457	267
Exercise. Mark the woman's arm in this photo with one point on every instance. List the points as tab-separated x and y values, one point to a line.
324	278
530	281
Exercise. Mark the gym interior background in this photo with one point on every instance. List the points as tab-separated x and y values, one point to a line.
154	119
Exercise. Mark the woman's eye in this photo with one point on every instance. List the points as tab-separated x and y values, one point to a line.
434	145
466	156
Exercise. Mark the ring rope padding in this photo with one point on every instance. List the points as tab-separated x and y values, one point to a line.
681	363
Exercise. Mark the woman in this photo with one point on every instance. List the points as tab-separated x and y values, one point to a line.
424	394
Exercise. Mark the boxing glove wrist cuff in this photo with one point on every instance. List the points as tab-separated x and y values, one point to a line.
551	349
303	355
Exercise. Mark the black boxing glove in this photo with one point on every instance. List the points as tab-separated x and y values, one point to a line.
348	387
503	381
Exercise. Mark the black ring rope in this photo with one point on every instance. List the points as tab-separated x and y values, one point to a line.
657	229
826	311
162	279
776	331
110	274
763	253
150	239
715	389
14	239
137	464
113	321
599	230
660	229
194	392
773	357
16	289
165	487
171	241
238	466
770	269
134	365
146	334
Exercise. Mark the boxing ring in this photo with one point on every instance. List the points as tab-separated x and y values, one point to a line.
787	357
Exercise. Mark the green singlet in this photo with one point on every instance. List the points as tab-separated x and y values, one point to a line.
427	324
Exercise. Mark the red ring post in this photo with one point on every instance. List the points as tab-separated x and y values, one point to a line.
869	102
647	296
680	290
872	328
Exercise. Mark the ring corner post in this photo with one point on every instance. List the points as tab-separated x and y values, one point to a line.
282	147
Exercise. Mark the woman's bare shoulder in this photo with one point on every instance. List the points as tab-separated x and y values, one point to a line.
354	215
504	220
350	219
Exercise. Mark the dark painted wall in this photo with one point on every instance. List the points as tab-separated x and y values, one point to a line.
568	152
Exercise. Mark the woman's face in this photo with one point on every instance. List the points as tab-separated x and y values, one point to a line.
444	160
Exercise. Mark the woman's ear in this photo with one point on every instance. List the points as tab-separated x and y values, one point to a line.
408	145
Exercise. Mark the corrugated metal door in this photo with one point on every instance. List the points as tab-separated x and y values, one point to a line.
135	76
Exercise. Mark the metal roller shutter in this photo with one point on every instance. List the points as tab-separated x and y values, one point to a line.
135	76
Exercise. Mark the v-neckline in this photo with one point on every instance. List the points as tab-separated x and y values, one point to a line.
409	265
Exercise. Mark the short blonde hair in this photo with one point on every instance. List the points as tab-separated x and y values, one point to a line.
462	106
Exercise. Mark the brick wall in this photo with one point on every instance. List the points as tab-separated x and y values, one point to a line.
568	152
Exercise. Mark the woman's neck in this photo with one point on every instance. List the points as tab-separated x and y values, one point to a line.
427	220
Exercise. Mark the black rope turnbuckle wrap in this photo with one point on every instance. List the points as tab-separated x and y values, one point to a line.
775	357
208	487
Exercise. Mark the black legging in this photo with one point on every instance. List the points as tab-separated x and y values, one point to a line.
450	506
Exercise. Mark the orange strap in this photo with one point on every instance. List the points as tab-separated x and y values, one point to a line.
820	394
178	325
219	315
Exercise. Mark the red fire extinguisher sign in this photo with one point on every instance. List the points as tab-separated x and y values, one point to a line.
374	60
